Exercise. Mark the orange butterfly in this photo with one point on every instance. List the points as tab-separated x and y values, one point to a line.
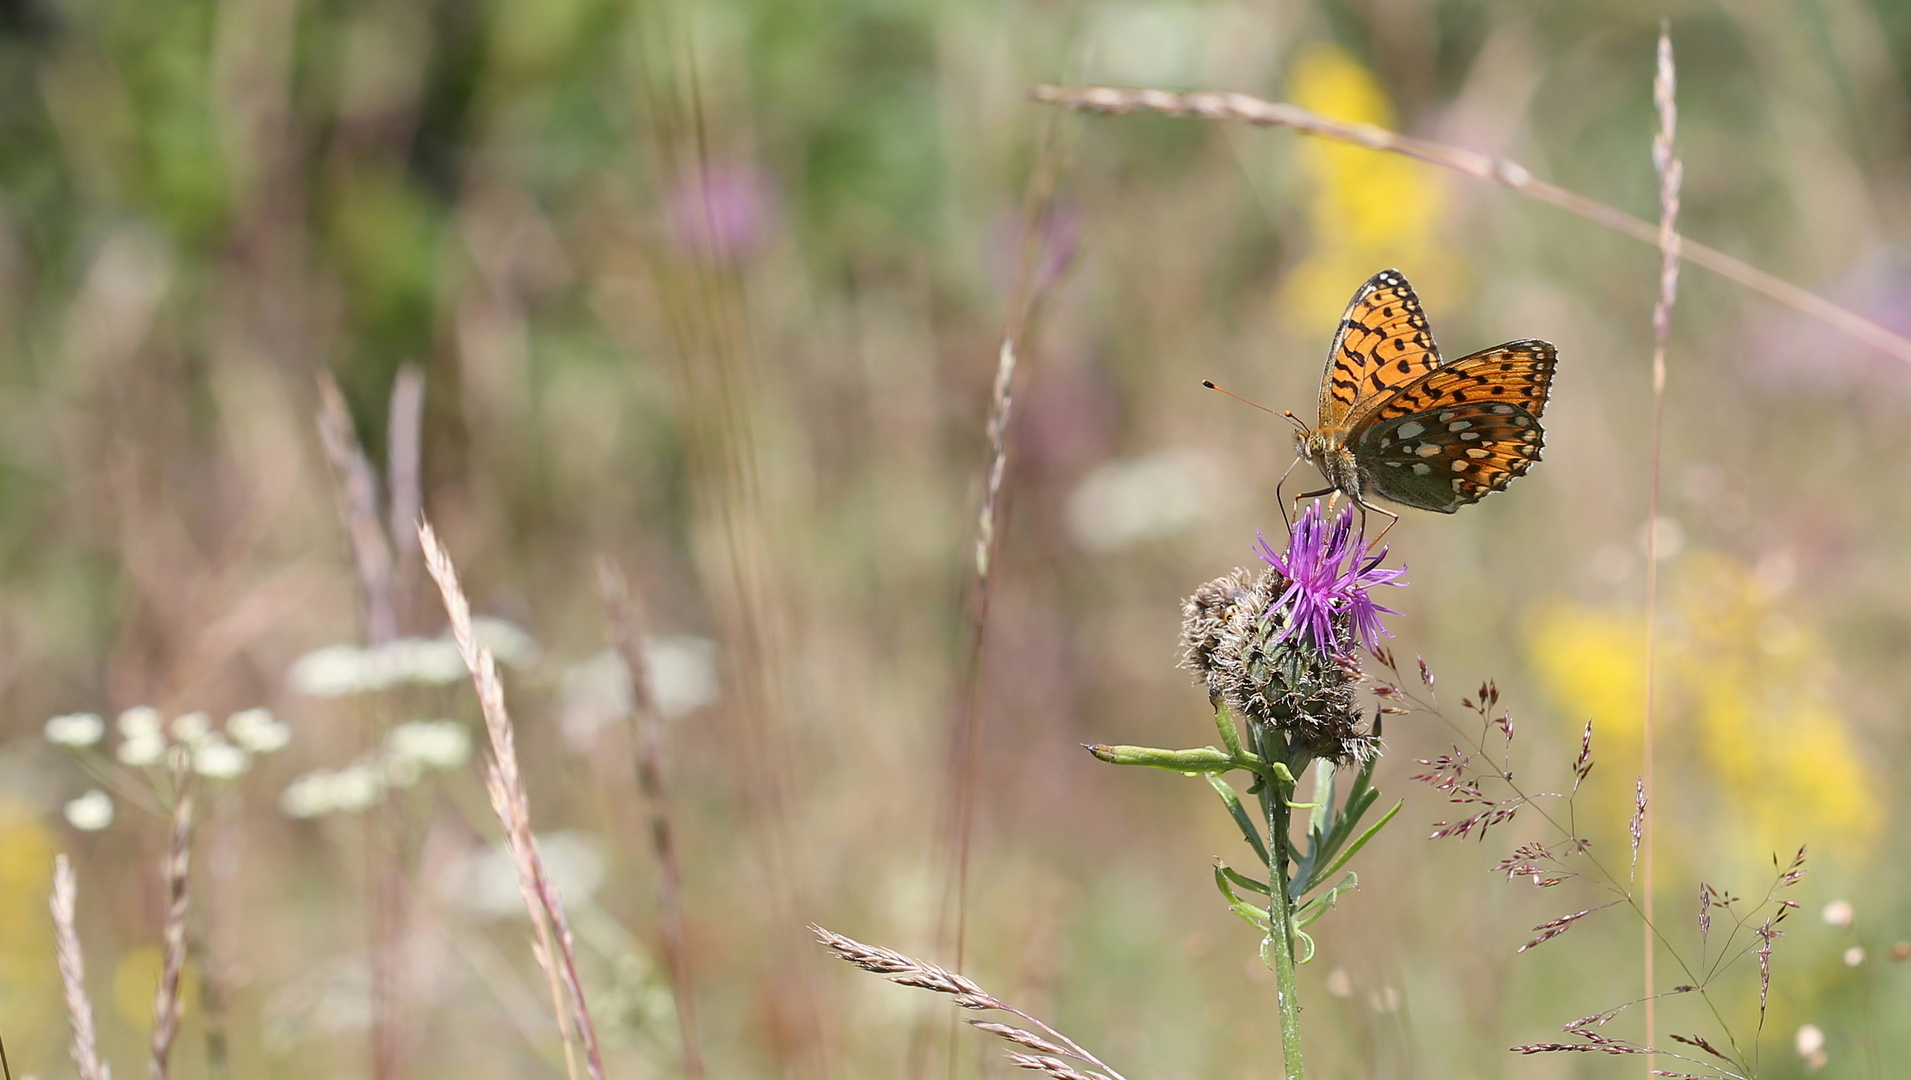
1396	422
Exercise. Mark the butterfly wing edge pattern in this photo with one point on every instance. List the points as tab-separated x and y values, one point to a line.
1476	428
1383	342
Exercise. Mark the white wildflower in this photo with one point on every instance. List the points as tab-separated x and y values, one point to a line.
191	728
309	796
90	812
138	721
1146	498
1837	913
433	744
429	661
1810	1044
143	749
683	673
506	640
334	671
75	729
401	772
356	788
1854	956
258	731
216	759
592	693
485	883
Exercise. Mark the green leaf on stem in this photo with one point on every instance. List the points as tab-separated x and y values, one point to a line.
1249	830
1254	916
1319	905
1329	830
1242	880
1372	831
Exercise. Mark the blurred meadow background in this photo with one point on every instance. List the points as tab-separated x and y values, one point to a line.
713	292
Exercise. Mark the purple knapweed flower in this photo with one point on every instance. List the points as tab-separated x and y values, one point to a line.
725	212
1329	573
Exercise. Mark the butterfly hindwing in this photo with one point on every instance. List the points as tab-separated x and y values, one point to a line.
1449	456
1382	343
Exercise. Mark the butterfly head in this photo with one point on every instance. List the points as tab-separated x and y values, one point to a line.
1313	446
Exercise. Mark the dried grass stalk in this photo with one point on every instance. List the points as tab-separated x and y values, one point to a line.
358	489
1213	105
79	1010
1671	174
998	430
404	473
627	625
968	994
555	948
166	1001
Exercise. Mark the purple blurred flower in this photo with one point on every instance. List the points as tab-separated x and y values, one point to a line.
1058	236
723	210
1329	573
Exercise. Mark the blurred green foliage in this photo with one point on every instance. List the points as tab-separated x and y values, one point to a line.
715	290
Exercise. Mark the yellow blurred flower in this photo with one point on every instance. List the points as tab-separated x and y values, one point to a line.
29	982
1745	710
1370	210
1756	683
136	983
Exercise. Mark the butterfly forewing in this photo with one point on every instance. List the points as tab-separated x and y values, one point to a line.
1517	373
1383	343
1449	456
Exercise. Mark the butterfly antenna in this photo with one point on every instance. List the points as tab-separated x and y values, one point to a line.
1298	422
1238	397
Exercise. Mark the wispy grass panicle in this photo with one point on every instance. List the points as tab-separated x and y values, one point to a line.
1671	170
627	627
554	946
1229	105
167	1002
1477	774
1051	1045
358	501
72	962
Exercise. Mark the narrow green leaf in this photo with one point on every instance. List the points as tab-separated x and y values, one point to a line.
1201	759
1249	831
1254	916
1244	881
1324	776
1320	905
1354	847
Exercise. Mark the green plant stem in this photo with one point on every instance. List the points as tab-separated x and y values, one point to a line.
1280	905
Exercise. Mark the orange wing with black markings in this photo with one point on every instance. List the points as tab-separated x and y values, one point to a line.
1460	433
1517	373
1382	344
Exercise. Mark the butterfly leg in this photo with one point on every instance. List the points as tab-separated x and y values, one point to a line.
1394	519
1282	503
1303	497
1315	494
